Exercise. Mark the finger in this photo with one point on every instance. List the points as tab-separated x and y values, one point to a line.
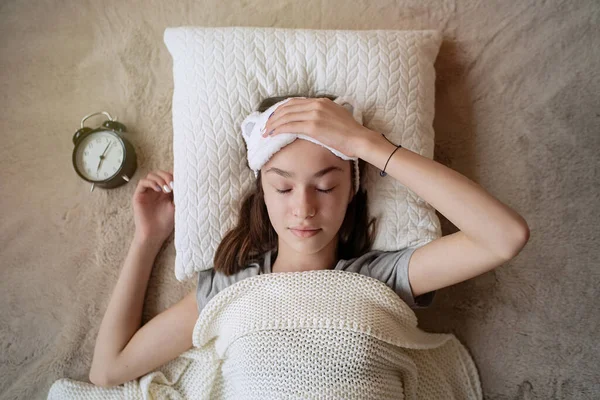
168	177
295	102
150	184
303	127
160	181
281	116
145	184
284	120
292	104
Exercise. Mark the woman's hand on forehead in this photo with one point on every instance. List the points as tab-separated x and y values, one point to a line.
322	119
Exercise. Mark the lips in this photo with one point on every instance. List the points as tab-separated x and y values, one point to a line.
305	232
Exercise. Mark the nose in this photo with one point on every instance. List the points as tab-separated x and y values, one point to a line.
304	205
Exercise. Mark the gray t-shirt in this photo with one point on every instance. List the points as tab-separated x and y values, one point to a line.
390	267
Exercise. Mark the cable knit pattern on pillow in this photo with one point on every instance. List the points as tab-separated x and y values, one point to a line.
222	74
324	334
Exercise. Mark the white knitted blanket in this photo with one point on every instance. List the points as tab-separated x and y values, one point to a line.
304	335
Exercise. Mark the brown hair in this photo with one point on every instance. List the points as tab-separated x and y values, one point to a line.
254	235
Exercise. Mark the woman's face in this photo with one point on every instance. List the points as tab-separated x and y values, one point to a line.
315	190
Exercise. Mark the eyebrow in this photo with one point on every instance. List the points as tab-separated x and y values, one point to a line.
287	174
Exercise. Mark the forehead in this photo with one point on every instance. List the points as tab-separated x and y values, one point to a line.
304	156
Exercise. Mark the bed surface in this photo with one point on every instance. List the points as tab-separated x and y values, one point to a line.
517	111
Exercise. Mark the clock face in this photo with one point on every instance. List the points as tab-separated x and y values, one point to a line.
100	155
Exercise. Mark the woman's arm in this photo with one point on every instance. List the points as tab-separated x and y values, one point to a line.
491	233
482	218
124	350
124	312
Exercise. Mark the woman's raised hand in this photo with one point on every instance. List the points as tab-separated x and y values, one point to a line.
322	119
153	207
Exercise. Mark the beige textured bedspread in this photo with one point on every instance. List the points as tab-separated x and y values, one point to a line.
517	110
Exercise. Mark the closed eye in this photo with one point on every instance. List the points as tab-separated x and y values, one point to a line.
318	190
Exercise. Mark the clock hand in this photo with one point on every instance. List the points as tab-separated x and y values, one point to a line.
106	148
101	159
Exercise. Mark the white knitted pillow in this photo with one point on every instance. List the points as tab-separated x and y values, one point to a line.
222	74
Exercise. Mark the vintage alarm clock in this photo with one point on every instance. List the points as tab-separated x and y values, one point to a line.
103	156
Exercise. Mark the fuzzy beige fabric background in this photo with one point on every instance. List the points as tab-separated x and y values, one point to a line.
517	110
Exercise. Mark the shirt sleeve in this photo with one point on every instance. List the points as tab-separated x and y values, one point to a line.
391	267
204	290
211	282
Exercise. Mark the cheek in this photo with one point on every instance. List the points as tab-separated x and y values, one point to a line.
275	209
333	209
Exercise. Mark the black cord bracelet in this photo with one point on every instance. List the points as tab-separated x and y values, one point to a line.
383	173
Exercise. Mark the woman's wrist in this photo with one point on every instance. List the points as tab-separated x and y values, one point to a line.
374	148
147	241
